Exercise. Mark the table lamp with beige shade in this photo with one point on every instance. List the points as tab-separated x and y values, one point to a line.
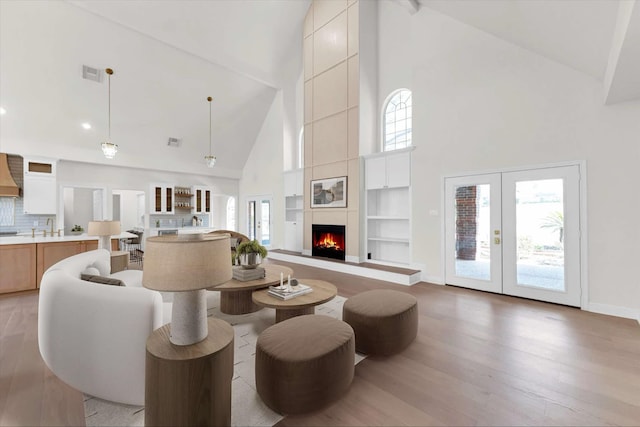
187	265
189	362
104	230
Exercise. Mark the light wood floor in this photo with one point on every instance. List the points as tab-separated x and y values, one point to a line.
479	359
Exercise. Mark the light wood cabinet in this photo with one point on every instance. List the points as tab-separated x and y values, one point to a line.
22	265
48	254
18	267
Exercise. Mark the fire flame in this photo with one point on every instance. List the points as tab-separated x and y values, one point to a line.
328	241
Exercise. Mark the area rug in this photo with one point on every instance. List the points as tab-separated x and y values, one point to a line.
247	408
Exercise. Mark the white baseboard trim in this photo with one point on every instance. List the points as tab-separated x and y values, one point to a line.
354	259
436	280
388	276
613	310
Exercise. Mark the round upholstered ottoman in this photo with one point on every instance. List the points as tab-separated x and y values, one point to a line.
304	363
384	321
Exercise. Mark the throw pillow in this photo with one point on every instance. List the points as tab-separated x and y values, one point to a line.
91	271
102	280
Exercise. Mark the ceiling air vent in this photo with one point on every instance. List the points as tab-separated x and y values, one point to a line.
90	73
174	142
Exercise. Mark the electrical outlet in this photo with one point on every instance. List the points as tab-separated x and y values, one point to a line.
35	223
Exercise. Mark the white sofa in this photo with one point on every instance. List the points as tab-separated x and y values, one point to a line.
93	336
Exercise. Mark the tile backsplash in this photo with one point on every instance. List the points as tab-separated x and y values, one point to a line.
180	220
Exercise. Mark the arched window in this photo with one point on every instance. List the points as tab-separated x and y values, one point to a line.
231	214
396	121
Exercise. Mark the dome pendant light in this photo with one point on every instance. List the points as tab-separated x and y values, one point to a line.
210	160
109	148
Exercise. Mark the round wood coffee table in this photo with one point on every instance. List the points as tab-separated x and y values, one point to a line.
235	296
297	306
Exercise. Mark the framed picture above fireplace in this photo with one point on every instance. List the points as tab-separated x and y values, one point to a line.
329	193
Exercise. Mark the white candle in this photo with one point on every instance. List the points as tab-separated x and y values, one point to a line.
281	278
288	280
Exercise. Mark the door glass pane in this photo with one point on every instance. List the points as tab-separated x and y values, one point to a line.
265	208
540	234
473	228
251	219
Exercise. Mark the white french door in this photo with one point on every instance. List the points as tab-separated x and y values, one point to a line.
473	257
516	233
259	219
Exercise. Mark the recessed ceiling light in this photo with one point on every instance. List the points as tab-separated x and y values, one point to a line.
86	126
2	111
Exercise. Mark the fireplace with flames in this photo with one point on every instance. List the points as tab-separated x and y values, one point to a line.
328	241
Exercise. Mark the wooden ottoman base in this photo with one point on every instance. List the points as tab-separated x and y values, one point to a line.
385	321
304	363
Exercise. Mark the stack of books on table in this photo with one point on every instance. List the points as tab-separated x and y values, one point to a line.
244	275
287	293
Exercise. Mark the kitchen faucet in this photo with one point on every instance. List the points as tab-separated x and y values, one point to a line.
52	220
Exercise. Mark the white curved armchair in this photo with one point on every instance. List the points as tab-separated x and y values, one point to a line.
93	336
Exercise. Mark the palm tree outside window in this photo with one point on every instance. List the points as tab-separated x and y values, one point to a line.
396	123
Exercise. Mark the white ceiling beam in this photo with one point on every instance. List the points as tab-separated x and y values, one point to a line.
412	6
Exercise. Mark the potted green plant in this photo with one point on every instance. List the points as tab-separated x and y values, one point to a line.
250	254
77	229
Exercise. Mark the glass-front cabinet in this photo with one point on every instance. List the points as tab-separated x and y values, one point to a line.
202	200
162	199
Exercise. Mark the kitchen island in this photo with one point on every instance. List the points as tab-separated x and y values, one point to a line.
24	259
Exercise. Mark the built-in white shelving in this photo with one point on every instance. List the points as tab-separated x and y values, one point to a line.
388	202
293	210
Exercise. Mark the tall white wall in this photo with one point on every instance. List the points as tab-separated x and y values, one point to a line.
262	174
481	103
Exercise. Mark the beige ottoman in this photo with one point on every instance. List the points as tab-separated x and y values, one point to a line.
304	363
384	321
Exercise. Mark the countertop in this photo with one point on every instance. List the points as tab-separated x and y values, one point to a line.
25	239
185	230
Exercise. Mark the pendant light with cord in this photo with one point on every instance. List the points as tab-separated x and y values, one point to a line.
210	159
109	149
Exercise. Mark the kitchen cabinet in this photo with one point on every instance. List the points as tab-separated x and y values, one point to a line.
162	199
48	254
39	186
202	200
18	267
293	202
388	207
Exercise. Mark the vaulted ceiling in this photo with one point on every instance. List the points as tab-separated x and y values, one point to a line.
169	55
600	38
